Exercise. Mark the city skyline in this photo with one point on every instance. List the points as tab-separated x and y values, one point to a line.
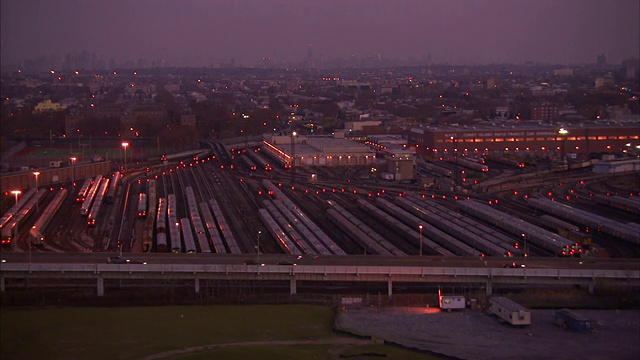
322	34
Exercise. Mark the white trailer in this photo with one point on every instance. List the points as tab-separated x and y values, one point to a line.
451	302
509	311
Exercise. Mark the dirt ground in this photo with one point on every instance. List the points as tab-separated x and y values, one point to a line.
468	334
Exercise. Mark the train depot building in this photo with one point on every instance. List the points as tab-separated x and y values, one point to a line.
524	140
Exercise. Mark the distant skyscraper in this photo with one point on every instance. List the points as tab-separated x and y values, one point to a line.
601	60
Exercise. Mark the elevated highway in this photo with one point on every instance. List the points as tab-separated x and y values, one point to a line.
333	270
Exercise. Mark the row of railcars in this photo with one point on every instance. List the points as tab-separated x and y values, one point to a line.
366	236
187	236
628	204
161	225
445	240
315	230
84	190
225	229
36	232
278	214
538	236
149	222
16	207
10	230
173	225
100	194
452	226
90	195
412	234
196	220
285	242
260	160
113	187
215	237
629	232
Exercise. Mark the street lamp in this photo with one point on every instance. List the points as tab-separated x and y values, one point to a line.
563	132
258	247
16	193
73	177
420	227
36	173
124	145
455	160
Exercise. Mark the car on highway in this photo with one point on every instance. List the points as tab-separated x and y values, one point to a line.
513	265
121	260
287	263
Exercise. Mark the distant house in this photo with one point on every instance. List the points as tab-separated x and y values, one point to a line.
47	105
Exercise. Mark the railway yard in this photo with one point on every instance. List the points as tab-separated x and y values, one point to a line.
239	202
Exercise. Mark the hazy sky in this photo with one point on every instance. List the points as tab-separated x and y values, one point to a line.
204	32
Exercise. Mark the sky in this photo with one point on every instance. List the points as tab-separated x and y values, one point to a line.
211	32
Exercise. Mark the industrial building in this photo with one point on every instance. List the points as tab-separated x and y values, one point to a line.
533	139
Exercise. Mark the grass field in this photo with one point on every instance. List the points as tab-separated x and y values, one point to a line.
251	332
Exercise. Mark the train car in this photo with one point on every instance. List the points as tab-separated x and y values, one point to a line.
16	207
250	163
161	242
475	165
10	230
36	232
149	223
433	168
91	194
113	187
100	194
82	193
142	205
260	160
187	236
508	162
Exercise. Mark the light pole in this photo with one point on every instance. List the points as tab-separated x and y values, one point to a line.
293	157
258	247
36	173
563	132
124	146
73	175
420	252
16	193
455	160
524	242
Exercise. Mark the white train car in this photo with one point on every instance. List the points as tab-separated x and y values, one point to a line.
38	228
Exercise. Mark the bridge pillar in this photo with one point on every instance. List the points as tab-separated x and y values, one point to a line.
100	285
1	283
389	288
488	287
197	285
292	286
